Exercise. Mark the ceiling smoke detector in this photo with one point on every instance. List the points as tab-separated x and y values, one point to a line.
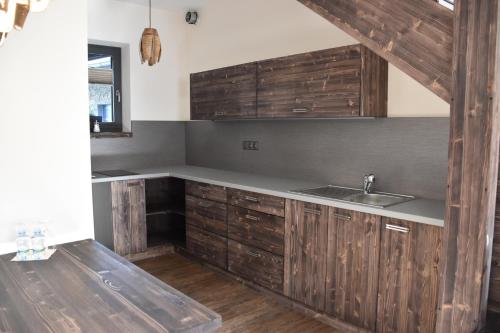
192	17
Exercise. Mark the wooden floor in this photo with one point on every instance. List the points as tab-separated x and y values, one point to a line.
242	308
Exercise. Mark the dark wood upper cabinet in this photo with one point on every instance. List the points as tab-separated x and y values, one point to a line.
408	276
319	84
348	81
306	238
129	216
226	93
352	267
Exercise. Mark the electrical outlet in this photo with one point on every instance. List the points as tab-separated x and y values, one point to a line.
250	145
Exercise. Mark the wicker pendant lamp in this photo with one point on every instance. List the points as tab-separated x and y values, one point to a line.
13	14
150	47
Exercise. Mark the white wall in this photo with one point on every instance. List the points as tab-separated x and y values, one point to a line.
238	31
44	141
160	92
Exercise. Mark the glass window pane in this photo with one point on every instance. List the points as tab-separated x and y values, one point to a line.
100	61
101	102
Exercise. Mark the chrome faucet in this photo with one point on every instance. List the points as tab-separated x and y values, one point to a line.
368	183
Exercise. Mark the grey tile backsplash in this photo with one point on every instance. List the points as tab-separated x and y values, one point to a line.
153	144
408	155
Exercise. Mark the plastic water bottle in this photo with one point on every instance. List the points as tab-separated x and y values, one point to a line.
38	242
23	243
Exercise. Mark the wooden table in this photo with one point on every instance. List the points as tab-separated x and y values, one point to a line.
85	287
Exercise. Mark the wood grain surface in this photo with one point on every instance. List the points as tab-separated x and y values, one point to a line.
85	287
259	230
208	215
243	309
352	267
306	238
319	84
408	277
472	167
414	35
256	201
224	93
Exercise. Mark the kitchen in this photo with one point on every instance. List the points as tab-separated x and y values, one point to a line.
269	154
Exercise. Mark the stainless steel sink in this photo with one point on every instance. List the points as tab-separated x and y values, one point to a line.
378	199
347	194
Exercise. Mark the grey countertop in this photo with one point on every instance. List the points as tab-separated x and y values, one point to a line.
420	210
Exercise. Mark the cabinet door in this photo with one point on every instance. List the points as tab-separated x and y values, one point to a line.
129	216
226	93
306	235
352	267
323	84
408	277
207	246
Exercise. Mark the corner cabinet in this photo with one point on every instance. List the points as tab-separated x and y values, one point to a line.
349	81
226	93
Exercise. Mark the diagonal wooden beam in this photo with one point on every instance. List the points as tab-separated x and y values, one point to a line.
414	35
473	167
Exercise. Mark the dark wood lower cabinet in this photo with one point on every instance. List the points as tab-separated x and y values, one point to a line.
352	267
306	239
207	246
408	277
256	229
206	214
261	267
129	216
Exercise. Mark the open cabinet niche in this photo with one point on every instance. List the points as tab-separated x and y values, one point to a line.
165	212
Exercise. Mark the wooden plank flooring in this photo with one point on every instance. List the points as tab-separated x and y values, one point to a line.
242	309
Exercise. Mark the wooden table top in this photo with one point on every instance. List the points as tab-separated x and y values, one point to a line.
85	287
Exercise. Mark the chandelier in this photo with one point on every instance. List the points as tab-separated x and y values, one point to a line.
13	14
150	45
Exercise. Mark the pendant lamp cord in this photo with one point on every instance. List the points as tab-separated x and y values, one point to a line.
149	13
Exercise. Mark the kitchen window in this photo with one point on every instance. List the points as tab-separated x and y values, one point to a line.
105	86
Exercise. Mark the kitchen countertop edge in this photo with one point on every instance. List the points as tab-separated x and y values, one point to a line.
426	211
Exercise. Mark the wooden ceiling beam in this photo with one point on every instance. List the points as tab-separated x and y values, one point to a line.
472	167
416	36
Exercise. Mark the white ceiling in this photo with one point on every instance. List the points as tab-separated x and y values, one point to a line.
171	4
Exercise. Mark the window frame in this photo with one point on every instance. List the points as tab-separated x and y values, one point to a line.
116	59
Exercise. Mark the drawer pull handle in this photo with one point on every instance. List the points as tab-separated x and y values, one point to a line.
219	113
203	188
253	218
136	184
253	254
303	110
312	211
343	217
251	199
204	204
397	228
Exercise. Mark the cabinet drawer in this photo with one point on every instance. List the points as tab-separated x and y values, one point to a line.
206	191
259	230
207	215
259	266
255	201
207	246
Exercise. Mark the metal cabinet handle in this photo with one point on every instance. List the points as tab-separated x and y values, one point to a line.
343	217
303	110
203	188
253	254
219	113
397	228
204	204
250	217
134	184
312	211
251	199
